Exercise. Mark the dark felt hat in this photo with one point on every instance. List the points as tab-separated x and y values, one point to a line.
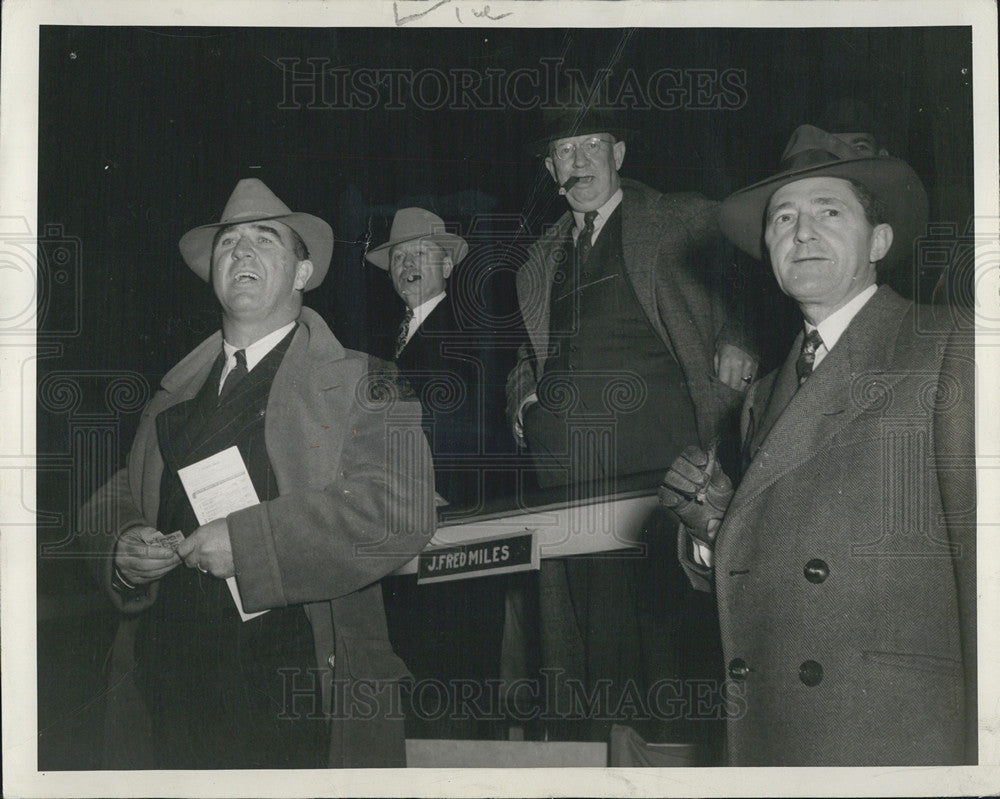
577	120
813	153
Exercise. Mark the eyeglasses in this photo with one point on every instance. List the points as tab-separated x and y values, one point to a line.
590	147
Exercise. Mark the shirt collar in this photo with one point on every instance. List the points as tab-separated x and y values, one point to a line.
833	327
261	347
421	312
602	213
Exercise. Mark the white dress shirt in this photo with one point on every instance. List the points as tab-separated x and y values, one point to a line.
421	312
830	330
833	327
602	216
255	352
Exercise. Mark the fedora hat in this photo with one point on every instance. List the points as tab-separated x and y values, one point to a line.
813	153
410	224
576	120
252	201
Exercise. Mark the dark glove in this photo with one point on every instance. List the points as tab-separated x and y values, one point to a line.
697	492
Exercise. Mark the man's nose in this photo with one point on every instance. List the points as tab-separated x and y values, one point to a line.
804	228
579	159
242	247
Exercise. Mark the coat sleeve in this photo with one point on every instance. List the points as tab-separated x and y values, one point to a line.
954	445
374	514
726	280
104	517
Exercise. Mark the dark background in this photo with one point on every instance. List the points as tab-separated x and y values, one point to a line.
144	132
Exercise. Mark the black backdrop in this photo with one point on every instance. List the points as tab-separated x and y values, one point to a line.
143	132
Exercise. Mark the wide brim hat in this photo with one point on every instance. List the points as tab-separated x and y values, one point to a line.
411	224
564	123
813	153
252	201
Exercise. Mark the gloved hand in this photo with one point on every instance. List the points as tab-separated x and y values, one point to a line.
697	492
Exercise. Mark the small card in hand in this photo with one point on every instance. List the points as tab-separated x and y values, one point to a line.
158	539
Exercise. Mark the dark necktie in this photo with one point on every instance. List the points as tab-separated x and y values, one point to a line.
807	357
404	330
236	374
584	241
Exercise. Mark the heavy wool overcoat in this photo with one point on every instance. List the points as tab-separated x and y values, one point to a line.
356	501
845	566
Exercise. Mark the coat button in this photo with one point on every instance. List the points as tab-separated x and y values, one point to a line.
811	673
331	661
738	669
816	570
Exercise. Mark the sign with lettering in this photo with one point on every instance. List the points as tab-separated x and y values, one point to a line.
482	558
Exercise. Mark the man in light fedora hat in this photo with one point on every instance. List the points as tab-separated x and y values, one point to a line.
448	632
419	257
628	295
844	565
316	427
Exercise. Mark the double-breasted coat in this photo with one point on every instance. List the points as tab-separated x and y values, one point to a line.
845	566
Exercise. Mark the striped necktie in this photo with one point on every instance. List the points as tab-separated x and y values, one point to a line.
404	330
807	357
584	241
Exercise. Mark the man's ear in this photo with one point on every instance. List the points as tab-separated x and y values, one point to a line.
551	167
618	148
881	242
303	272
446	266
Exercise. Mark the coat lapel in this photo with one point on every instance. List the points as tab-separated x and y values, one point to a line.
852	379
640	243
301	442
534	286
768	407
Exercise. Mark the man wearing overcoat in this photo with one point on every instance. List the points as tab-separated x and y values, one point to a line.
342	471
844	567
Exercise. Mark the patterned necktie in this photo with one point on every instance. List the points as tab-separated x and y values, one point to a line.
236	374
404	330
804	365
583	240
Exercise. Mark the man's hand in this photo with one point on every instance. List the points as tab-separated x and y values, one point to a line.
139	560
208	549
698	492
526	403
734	367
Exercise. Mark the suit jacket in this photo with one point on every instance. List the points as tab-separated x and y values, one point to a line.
452	389
680	272
845	565
348	513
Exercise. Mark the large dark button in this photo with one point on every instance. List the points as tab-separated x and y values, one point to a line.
811	673
816	570
738	669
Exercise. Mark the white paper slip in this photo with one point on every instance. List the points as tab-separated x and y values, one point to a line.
217	486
